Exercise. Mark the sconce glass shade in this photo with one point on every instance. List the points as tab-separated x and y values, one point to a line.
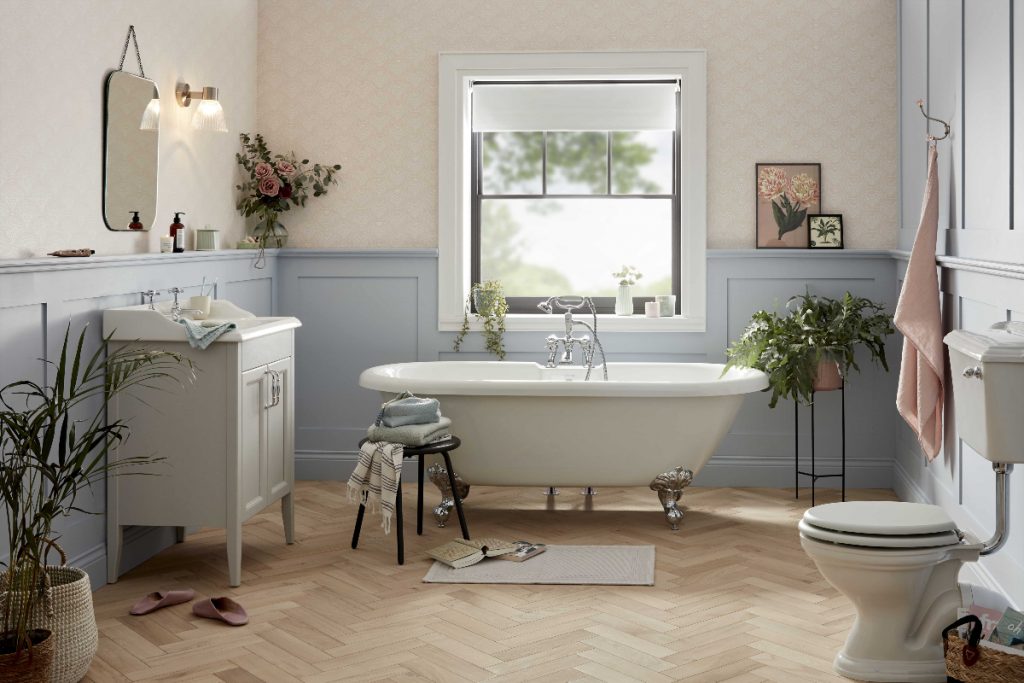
209	115
151	117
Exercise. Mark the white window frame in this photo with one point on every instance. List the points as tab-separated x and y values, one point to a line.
457	71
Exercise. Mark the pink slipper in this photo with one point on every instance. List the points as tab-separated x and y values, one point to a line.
159	599
222	609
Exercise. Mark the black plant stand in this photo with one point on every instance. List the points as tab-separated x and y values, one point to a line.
813	474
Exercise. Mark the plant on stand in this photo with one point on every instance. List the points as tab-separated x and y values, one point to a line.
487	300
54	442
811	348
277	182
628	277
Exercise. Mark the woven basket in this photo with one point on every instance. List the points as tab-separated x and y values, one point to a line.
36	667
970	661
71	619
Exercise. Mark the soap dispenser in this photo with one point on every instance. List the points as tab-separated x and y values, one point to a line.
136	223
178	233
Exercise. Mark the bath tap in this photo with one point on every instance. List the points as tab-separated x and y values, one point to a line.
587	345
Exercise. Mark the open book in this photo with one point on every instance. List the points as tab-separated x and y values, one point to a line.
462	553
524	550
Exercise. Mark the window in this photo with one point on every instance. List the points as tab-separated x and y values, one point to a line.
570	180
557	169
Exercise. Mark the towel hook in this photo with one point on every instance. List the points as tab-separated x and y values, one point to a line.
932	138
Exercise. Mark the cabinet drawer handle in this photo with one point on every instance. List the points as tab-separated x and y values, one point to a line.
972	372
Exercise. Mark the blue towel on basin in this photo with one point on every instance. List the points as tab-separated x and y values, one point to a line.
199	337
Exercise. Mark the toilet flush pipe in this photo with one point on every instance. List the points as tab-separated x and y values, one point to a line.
993	544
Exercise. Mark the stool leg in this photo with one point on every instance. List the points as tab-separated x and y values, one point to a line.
455	495
419	500
359	525
398	521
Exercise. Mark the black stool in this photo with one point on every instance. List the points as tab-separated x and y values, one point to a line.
443	448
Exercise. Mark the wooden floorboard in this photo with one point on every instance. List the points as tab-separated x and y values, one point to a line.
735	598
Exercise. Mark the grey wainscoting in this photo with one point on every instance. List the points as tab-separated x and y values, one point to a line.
361	309
39	298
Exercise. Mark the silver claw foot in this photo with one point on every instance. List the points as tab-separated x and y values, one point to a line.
669	487
438	476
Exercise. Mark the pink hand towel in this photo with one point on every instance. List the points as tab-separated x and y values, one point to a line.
922	373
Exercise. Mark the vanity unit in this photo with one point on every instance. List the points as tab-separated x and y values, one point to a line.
226	441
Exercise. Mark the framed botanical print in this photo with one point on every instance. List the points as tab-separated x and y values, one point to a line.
785	195
826	230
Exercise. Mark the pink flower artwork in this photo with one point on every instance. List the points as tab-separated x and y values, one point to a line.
786	194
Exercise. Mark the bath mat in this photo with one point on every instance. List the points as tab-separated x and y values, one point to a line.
612	565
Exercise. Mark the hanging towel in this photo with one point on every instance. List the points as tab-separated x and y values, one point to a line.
922	373
412	435
375	479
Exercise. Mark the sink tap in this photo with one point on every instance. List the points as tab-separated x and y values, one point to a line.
587	346
175	307
149	294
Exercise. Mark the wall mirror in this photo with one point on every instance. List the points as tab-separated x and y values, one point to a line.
131	152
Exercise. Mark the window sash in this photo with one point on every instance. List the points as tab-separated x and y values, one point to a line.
604	305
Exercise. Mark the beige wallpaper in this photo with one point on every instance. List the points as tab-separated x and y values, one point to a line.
56	54
355	82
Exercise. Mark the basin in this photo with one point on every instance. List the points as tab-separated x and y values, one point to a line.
143	323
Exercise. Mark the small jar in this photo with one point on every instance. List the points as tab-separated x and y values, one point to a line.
166	244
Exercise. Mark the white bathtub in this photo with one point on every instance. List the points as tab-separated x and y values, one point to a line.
525	425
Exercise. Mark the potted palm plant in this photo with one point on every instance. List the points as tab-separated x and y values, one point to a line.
812	346
487	300
54	441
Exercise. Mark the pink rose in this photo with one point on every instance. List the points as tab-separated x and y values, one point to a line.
263	169
270	186
286	168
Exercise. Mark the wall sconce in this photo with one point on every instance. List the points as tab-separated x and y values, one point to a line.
209	115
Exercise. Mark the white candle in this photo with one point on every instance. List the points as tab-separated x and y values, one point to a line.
652	309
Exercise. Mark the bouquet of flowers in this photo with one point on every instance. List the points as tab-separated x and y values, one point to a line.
277	182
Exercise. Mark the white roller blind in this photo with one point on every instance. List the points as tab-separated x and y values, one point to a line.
574	106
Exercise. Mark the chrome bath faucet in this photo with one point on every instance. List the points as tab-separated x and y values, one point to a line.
587	345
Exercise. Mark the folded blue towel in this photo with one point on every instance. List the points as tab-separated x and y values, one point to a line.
407	409
200	337
412	435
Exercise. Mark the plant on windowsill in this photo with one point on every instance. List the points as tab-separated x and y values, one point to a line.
54	443
624	299
277	182
811	348
488	300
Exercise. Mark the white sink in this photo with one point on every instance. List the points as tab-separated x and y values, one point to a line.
155	324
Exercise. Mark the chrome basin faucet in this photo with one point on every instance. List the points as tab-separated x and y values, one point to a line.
588	346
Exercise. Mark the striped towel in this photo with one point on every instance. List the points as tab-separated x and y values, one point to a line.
376	478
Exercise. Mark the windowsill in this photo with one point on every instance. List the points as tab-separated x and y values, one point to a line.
526	322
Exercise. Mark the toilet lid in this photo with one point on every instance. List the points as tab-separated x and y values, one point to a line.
880	518
906	542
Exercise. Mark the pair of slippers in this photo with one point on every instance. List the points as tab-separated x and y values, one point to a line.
221	609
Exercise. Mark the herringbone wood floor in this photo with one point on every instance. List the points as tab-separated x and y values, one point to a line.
735	598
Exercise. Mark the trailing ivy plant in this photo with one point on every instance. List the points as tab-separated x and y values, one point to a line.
487	301
788	348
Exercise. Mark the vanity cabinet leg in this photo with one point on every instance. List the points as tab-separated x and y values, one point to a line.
288	518
234	534
179	534
115	539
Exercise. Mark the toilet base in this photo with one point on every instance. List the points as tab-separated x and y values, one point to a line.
888	671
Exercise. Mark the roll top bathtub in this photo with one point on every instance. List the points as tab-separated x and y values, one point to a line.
522	424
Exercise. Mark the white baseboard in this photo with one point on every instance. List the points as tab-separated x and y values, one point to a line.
140	544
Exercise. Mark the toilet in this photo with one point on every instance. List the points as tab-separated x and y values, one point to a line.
898	562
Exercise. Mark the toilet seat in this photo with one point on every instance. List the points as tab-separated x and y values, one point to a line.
880	524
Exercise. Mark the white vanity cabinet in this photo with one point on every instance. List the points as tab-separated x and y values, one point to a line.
225	442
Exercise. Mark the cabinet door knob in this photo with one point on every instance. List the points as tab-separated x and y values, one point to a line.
972	372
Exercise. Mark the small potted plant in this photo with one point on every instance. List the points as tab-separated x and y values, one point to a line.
54	441
487	300
811	347
628	277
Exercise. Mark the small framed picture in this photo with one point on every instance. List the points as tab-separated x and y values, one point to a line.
785	194
826	230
